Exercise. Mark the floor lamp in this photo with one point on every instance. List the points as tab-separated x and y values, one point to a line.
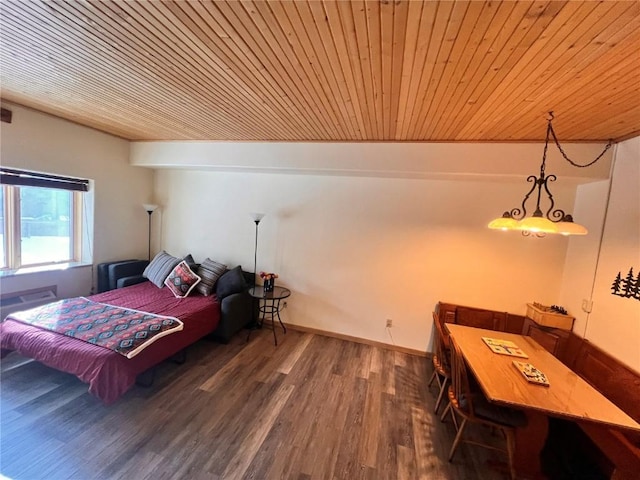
256	218
150	208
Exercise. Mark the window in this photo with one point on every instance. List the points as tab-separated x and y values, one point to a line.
41	219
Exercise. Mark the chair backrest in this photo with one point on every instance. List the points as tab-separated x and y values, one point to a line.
459	379
128	268
441	350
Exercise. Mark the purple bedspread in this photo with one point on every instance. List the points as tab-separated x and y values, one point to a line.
108	373
122	330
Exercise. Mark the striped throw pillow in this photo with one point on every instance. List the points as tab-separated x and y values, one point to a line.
209	271
160	268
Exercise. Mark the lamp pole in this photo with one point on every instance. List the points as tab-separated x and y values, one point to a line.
150	208
149	249
255	255
256	218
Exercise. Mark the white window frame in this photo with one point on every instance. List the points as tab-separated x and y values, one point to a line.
13	234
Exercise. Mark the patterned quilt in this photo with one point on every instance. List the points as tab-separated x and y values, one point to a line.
122	330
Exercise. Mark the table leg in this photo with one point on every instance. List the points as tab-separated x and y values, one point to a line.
529	443
260	320
273	321
279	319
270	306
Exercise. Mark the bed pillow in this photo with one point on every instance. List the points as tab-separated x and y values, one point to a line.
160	268
231	282
191	262
210	272
181	280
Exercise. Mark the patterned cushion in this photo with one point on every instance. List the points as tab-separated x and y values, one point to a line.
160	268
181	280
209	271
231	282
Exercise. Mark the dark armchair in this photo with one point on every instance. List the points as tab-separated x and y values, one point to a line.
120	274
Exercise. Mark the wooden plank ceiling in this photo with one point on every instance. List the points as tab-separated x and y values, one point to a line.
326	70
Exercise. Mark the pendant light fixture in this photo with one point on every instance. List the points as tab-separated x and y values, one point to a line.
541	222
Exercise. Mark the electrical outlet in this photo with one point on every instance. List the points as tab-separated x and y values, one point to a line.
389	323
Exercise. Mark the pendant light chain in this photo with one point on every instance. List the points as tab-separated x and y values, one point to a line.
555	139
540	223
546	147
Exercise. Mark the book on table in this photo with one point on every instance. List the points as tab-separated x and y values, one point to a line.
531	373
504	347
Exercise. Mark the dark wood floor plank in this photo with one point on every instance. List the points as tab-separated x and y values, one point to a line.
284	358
294	355
387	458
375	365
406	463
270	452
347	463
230	371
368	451
364	361
253	439
388	372
334	419
246	421
286	464
23	392
311	408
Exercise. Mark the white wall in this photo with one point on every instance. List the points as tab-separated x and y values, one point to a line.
356	250
442	161
367	231
582	253
40	142
614	324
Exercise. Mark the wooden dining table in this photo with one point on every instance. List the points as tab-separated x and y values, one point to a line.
567	396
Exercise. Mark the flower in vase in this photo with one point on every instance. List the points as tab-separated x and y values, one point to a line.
268	275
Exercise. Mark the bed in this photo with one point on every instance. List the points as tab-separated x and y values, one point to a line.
108	373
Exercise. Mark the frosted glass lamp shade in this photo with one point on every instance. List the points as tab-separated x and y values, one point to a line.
569	227
505	222
256	217
150	207
537	225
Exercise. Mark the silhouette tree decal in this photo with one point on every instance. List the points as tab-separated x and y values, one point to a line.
628	283
628	287
615	287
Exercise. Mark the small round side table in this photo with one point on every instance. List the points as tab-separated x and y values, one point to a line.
270	306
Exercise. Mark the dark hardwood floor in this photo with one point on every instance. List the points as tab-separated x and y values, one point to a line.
313	407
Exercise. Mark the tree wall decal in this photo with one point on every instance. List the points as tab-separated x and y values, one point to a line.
615	287
627	287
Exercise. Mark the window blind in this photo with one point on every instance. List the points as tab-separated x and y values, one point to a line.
10	176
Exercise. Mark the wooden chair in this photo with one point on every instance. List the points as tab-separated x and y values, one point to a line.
473	407
440	360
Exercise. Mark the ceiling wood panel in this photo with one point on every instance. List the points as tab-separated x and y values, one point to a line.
312	70
550	68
